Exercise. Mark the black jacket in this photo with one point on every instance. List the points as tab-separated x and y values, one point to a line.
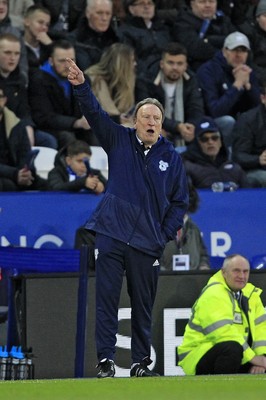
249	138
147	43
58	177
204	172
201	48
89	44
51	110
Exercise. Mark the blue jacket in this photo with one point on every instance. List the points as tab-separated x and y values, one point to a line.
216	80
146	197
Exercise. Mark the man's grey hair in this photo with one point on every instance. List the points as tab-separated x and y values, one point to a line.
148	100
91	3
228	260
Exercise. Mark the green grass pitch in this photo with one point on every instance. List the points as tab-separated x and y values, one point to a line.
219	387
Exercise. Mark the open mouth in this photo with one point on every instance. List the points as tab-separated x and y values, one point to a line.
150	130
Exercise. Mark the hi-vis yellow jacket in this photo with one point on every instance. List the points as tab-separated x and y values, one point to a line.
216	317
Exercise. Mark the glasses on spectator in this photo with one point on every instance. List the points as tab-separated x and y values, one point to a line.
213	138
143	4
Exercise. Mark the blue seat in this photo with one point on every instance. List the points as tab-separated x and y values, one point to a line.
258	261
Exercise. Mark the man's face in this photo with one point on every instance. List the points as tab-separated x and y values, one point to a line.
59	63
37	22
204	8
237	56
261	19
210	144
143	8
9	56
236	274
173	66
76	163
148	123
99	15
3	9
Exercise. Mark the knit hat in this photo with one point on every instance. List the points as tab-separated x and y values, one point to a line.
206	124
236	39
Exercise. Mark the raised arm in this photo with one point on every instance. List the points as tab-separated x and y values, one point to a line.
75	76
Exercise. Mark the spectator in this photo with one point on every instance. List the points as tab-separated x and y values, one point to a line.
53	106
229	85
38	43
188	241
6	27
226	333
16	90
202	30
177	89
206	159
257	35
115	93
249	142
142	208
142	30
15	173
65	16
17	10
167	10
95	33
72	171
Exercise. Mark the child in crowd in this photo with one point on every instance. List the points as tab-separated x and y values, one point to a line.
72	171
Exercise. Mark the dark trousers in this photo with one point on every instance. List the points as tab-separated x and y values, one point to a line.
115	259
222	358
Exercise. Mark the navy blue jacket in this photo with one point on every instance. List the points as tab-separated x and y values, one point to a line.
216	80
146	197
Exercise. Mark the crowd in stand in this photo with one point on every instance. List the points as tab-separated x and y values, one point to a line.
204	60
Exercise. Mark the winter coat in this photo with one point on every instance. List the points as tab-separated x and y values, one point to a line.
249	138
204	171
147	196
221	98
58	177
201	47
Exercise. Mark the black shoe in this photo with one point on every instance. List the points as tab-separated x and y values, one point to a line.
107	368
141	370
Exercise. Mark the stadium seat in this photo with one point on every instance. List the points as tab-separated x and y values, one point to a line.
44	161
99	160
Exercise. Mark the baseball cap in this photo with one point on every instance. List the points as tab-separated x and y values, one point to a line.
261	8
236	39
206	124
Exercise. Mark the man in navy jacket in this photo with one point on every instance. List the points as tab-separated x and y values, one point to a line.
143	207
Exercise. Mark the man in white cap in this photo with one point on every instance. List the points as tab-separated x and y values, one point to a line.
229	85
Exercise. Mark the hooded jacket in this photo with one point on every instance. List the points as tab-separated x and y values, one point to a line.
217	317
147	196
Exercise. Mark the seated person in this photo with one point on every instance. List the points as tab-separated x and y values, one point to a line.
188	241
38	42
228	83
142	30
53	106
201	28
72	171
249	142
94	33
226	333
16	173
176	87
206	159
